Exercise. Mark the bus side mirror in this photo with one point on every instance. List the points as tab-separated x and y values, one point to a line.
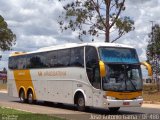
102	69
149	68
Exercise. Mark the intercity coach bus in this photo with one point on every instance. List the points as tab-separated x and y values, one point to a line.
103	75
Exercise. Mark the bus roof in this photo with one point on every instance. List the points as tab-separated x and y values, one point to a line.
72	45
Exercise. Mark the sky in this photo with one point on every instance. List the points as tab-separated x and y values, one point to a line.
35	24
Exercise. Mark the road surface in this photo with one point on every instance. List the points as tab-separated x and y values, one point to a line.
147	111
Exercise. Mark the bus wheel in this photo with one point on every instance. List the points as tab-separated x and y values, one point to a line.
114	109
22	96
30	97
80	103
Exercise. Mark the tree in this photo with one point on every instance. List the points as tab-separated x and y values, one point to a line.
153	47
93	17
7	38
153	50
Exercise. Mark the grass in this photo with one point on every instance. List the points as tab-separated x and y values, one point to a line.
8	114
3	86
152	97
150	93
150	87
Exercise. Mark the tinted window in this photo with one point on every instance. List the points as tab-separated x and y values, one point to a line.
51	59
36	61
13	63
58	58
63	57
17	62
92	67
77	57
21	62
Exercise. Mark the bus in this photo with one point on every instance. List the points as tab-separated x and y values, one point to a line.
101	75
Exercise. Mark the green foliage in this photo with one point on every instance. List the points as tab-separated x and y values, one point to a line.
7	38
12	114
93	17
153	49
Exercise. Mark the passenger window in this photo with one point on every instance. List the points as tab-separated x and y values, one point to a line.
92	66
13	63
63	58
21	62
18	62
51	59
77	57
36	61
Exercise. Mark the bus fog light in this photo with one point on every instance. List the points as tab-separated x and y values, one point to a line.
139	97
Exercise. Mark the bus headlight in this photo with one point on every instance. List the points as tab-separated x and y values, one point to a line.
110	98
139	97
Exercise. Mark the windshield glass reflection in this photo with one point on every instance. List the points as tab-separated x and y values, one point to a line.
123	77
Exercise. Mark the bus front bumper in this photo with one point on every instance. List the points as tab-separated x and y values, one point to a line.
123	103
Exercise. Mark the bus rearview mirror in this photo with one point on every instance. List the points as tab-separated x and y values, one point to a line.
149	68
102	69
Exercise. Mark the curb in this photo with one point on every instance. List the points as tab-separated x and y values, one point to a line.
151	102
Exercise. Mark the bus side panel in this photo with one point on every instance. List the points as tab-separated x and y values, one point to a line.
11	84
39	83
63	88
52	85
60	84
81	83
40	88
85	89
60	91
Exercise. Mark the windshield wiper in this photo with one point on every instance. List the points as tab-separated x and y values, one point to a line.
132	84
127	78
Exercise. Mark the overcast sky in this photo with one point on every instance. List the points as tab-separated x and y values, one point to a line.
35	24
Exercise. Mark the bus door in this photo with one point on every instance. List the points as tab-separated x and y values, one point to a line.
97	92
92	69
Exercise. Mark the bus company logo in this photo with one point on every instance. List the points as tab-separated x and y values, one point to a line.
52	73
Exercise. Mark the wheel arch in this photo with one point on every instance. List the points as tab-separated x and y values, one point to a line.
78	92
22	88
32	90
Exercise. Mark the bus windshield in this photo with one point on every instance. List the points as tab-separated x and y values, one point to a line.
123	77
118	55
123	69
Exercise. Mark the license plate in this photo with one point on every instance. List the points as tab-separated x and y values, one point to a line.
126	103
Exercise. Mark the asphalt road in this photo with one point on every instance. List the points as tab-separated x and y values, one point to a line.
147	111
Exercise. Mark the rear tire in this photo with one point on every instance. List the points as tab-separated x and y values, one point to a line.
30	97
114	109
81	103
22	96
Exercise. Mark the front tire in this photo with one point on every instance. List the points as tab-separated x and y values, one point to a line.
114	109
22	96
81	103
